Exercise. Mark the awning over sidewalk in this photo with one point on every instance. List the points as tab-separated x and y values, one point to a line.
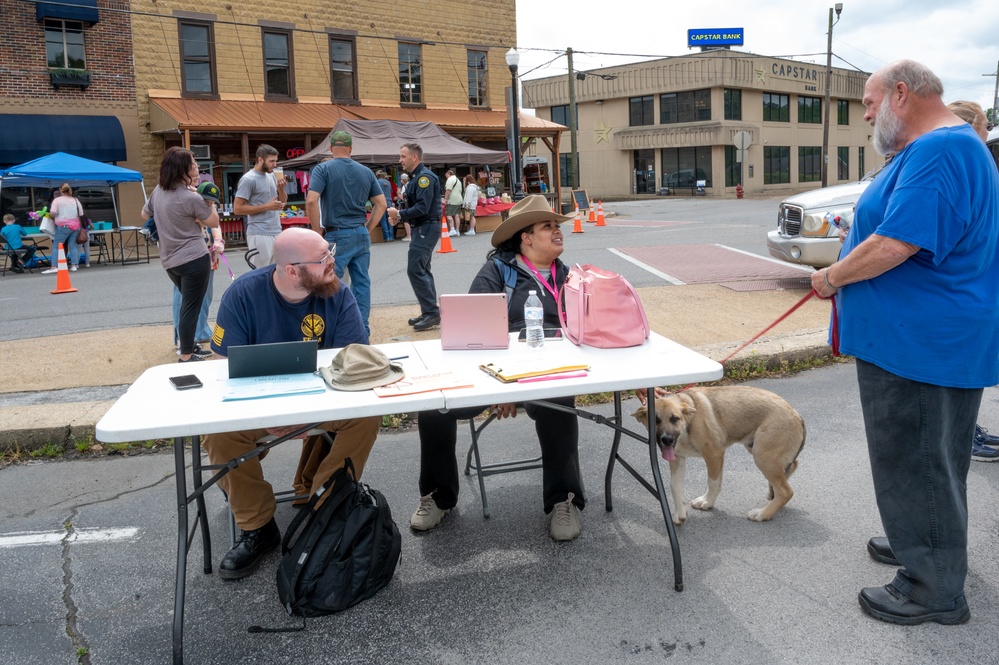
173	114
26	137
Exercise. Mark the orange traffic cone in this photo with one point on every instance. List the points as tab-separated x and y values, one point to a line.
63	284
445	239
577	225
600	214
593	211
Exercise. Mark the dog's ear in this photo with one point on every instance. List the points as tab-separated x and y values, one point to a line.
687	407
642	415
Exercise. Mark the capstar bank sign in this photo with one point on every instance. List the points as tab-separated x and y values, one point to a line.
715	37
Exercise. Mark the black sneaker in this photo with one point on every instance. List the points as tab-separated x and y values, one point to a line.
252	547
192	359
201	351
983	435
427	322
18	269
416	319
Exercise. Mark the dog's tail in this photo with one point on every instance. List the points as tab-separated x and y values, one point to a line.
793	464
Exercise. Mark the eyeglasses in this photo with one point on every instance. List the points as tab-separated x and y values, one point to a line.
321	262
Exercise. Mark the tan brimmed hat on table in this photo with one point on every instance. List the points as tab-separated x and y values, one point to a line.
361	367
528	212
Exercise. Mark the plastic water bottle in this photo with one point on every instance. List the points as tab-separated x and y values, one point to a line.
534	315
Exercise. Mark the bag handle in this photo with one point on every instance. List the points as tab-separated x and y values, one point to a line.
563	319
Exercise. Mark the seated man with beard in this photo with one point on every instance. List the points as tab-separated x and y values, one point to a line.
297	298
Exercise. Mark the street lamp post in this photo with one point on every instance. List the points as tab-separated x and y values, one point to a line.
512	60
825	118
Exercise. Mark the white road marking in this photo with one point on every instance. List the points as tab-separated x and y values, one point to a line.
783	264
86	535
645	266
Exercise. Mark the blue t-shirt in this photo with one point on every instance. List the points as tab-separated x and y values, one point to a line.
344	187
935	317
12	233
253	312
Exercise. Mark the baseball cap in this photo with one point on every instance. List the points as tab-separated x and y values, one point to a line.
341	138
209	191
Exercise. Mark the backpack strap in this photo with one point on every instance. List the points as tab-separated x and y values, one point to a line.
509	277
309	509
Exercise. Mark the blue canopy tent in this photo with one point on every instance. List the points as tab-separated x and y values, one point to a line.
53	170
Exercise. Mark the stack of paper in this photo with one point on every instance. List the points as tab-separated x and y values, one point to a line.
259	387
522	368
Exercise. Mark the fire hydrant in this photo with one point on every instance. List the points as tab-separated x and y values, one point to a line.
738	191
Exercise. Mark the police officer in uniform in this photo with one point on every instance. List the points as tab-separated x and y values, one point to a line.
423	214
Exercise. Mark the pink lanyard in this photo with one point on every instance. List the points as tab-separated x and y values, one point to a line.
541	279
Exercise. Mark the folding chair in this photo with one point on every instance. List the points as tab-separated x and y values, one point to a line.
285	496
495	468
8	260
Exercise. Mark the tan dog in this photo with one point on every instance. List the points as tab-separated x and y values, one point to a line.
703	422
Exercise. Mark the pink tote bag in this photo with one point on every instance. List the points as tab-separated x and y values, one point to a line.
600	308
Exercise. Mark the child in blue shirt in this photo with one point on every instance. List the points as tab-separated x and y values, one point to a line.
12	234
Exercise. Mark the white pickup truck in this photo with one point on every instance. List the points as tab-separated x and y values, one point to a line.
806	231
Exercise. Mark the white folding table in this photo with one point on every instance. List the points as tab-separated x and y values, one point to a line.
152	408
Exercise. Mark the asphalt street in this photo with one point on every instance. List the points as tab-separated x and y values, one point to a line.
498	590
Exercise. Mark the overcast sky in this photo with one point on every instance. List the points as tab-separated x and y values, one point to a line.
958	40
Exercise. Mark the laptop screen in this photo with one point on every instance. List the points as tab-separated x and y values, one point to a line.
273	359
474	321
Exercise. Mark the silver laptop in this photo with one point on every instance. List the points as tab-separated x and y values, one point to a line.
474	321
273	359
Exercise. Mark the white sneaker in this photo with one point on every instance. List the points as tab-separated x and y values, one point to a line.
427	514
453	233
470	233
407	239
72	268
50	271
565	520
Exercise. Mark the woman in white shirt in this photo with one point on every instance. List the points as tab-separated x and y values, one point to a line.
65	211
470	202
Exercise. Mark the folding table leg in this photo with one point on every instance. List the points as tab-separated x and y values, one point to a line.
206	536
608	504
657	475
178	594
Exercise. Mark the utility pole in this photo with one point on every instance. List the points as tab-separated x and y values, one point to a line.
574	174
995	96
825	116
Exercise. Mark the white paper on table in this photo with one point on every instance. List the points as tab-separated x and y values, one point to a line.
260	387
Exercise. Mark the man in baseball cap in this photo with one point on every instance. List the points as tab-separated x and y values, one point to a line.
338	191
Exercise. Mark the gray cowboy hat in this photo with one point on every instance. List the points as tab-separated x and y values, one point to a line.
361	367
529	211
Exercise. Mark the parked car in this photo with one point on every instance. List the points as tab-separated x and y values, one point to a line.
806	233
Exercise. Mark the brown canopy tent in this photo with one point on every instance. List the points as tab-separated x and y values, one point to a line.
378	142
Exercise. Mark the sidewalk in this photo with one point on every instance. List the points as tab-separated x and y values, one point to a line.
709	318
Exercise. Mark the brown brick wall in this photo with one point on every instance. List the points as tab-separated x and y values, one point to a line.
108	46
239	60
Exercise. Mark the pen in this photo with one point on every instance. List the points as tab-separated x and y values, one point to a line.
399	358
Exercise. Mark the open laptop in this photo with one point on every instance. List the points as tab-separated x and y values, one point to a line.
273	359
474	321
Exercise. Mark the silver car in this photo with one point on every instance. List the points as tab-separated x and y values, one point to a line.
808	224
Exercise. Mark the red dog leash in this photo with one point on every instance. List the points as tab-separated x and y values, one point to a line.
808	296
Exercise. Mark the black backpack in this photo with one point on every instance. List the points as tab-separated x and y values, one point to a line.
346	553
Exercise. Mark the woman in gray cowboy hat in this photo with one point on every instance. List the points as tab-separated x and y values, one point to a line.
529	243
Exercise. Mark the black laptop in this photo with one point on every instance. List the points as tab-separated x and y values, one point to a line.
273	359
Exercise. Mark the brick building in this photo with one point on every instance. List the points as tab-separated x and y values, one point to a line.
67	84
224	78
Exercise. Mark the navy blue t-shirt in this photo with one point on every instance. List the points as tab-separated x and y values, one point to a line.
253	312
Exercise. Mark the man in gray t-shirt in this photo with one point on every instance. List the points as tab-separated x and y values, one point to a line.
260	197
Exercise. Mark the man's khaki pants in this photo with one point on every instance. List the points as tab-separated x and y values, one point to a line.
251	498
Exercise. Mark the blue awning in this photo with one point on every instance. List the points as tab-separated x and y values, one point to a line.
73	10
27	137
